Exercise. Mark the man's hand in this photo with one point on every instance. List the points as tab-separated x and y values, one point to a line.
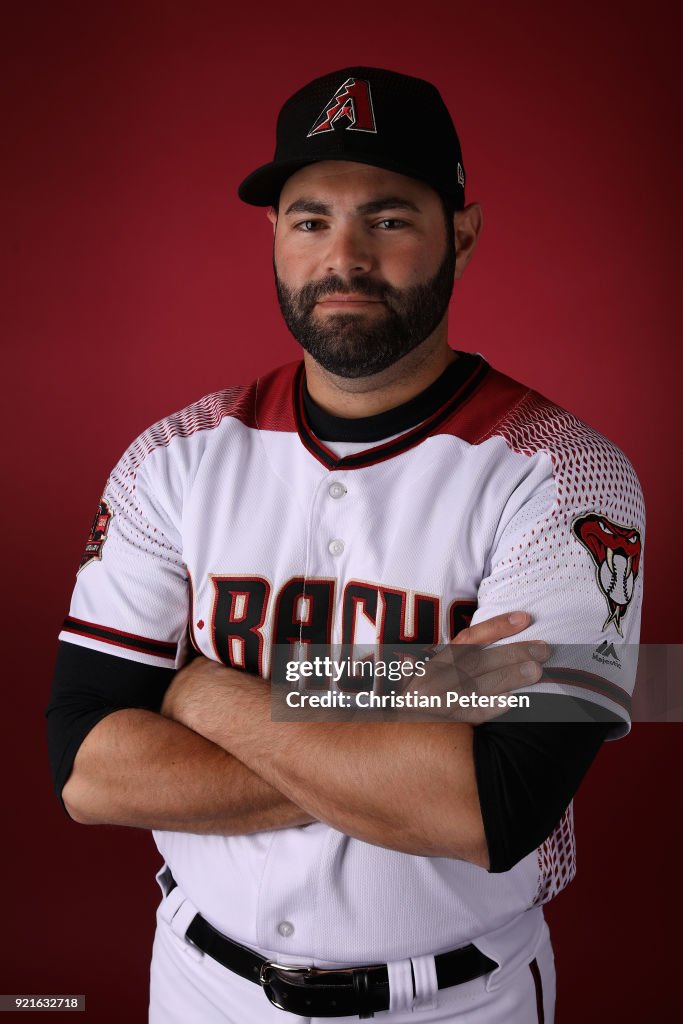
468	668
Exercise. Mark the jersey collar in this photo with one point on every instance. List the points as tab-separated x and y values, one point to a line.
413	420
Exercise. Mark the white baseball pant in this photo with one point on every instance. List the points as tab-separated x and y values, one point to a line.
189	987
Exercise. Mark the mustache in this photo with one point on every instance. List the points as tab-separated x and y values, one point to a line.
312	292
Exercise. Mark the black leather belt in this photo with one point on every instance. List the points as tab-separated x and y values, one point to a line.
322	992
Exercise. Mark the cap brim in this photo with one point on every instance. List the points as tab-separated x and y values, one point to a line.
263	186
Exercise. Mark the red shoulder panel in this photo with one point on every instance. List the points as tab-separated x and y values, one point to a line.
479	415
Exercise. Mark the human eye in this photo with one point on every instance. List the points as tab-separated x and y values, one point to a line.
309	225
390	224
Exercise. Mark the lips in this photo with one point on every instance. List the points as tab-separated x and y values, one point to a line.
348	300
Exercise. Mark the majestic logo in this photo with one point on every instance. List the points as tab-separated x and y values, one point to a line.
616	552
606	654
349	108
97	535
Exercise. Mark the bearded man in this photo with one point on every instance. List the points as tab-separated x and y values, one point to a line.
386	490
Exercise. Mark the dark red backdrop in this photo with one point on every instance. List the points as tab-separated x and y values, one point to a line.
136	282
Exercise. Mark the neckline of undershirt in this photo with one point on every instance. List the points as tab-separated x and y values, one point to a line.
394	422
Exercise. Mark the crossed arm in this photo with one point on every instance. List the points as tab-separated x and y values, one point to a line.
140	769
407	786
215	762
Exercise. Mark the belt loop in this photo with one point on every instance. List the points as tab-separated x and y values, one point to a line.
178	912
182	919
400	986
426	984
165	880
170	906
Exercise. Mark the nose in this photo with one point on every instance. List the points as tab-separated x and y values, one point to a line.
348	252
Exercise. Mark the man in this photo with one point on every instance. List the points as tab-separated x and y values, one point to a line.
387	491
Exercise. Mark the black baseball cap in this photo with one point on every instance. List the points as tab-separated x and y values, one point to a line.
369	116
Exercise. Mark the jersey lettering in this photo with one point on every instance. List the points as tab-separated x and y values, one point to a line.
303	620
417	624
239	611
361	601
460	616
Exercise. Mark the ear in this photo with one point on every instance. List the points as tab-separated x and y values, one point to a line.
271	214
468	224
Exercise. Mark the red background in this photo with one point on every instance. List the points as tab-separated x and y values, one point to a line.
135	281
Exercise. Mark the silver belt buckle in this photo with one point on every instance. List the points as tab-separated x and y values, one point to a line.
270	965
300	970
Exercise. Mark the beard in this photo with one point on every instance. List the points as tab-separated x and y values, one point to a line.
354	345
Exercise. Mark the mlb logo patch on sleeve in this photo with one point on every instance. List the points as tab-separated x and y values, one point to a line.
97	535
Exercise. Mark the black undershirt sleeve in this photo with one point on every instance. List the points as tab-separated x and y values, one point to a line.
87	686
528	771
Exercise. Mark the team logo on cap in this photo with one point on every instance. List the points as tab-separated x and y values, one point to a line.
616	552
350	108
97	535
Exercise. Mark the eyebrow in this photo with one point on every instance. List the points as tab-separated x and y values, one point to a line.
306	205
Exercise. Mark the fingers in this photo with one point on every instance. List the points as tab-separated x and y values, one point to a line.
465	648
469	666
496	628
504	676
487	672
477	661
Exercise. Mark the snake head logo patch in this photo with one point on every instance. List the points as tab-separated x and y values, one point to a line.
97	535
350	108
616	551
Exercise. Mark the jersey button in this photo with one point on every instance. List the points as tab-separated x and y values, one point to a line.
335	547
285	928
337	490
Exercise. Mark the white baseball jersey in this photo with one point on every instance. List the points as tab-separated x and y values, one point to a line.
232	523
